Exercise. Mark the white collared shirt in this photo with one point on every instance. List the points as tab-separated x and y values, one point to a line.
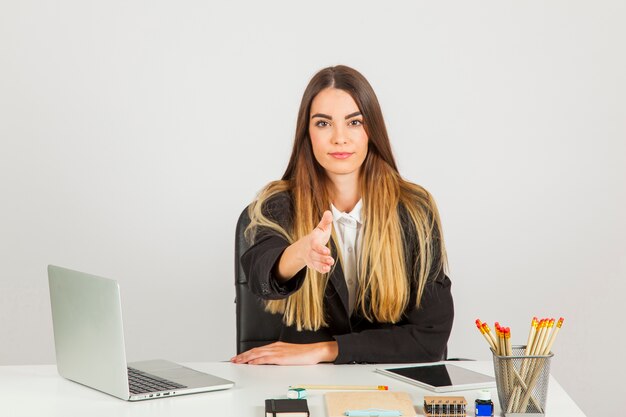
348	229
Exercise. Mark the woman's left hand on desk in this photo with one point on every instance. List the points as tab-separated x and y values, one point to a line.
281	353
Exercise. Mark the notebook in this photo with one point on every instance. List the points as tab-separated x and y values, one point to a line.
286	408
441	377
338	403
89	343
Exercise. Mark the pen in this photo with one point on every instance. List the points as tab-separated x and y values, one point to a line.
372	412
343	387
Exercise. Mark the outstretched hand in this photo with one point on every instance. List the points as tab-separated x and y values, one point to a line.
309	251
316	254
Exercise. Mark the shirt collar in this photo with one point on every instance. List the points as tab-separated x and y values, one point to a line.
352	218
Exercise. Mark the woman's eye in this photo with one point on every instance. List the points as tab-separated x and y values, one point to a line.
321	123
356	123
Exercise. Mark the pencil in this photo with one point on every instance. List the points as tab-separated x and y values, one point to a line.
500	333
541	330
546	340
544	349
344	387
484	333
553	336
531	335
488	333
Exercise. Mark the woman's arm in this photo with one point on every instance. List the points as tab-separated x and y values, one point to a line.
281	353
274	268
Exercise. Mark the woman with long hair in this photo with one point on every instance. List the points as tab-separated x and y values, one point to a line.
347	251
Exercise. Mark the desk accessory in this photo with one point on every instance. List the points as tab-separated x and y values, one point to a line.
286	408
296	393
441	406
483	404
440	377
522	381
522	372
391	402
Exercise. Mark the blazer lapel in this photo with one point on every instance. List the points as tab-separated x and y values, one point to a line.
338	280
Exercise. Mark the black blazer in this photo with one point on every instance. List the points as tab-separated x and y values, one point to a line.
420	336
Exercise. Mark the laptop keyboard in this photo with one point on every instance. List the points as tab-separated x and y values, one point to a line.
141	382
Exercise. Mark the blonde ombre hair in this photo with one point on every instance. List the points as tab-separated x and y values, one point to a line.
384	287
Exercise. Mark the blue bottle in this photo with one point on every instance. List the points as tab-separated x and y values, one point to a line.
484	405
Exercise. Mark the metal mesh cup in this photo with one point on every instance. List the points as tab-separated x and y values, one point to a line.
522	382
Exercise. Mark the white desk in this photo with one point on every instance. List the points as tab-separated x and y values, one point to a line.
40	391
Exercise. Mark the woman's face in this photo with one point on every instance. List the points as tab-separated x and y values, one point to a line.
337	135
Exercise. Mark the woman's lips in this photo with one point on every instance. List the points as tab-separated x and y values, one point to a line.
340	155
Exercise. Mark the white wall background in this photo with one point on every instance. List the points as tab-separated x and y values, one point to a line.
133	133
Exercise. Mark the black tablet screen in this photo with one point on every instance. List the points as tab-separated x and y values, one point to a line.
442	375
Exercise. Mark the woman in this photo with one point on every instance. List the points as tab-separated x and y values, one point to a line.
346	250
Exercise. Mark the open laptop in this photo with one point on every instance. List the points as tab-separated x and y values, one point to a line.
89	343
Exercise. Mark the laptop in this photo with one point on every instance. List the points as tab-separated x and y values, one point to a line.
89	343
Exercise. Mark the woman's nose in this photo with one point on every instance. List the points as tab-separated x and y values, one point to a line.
339	136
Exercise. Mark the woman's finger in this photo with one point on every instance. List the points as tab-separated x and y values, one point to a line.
256	354
321	249
322	268
316	256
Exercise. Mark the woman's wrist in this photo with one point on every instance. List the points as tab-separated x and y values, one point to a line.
291	261
330	351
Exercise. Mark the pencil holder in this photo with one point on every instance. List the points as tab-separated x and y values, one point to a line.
522	382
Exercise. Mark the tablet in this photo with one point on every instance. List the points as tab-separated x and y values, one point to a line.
441	377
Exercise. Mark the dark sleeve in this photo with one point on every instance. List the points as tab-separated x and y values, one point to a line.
421	336
260	260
